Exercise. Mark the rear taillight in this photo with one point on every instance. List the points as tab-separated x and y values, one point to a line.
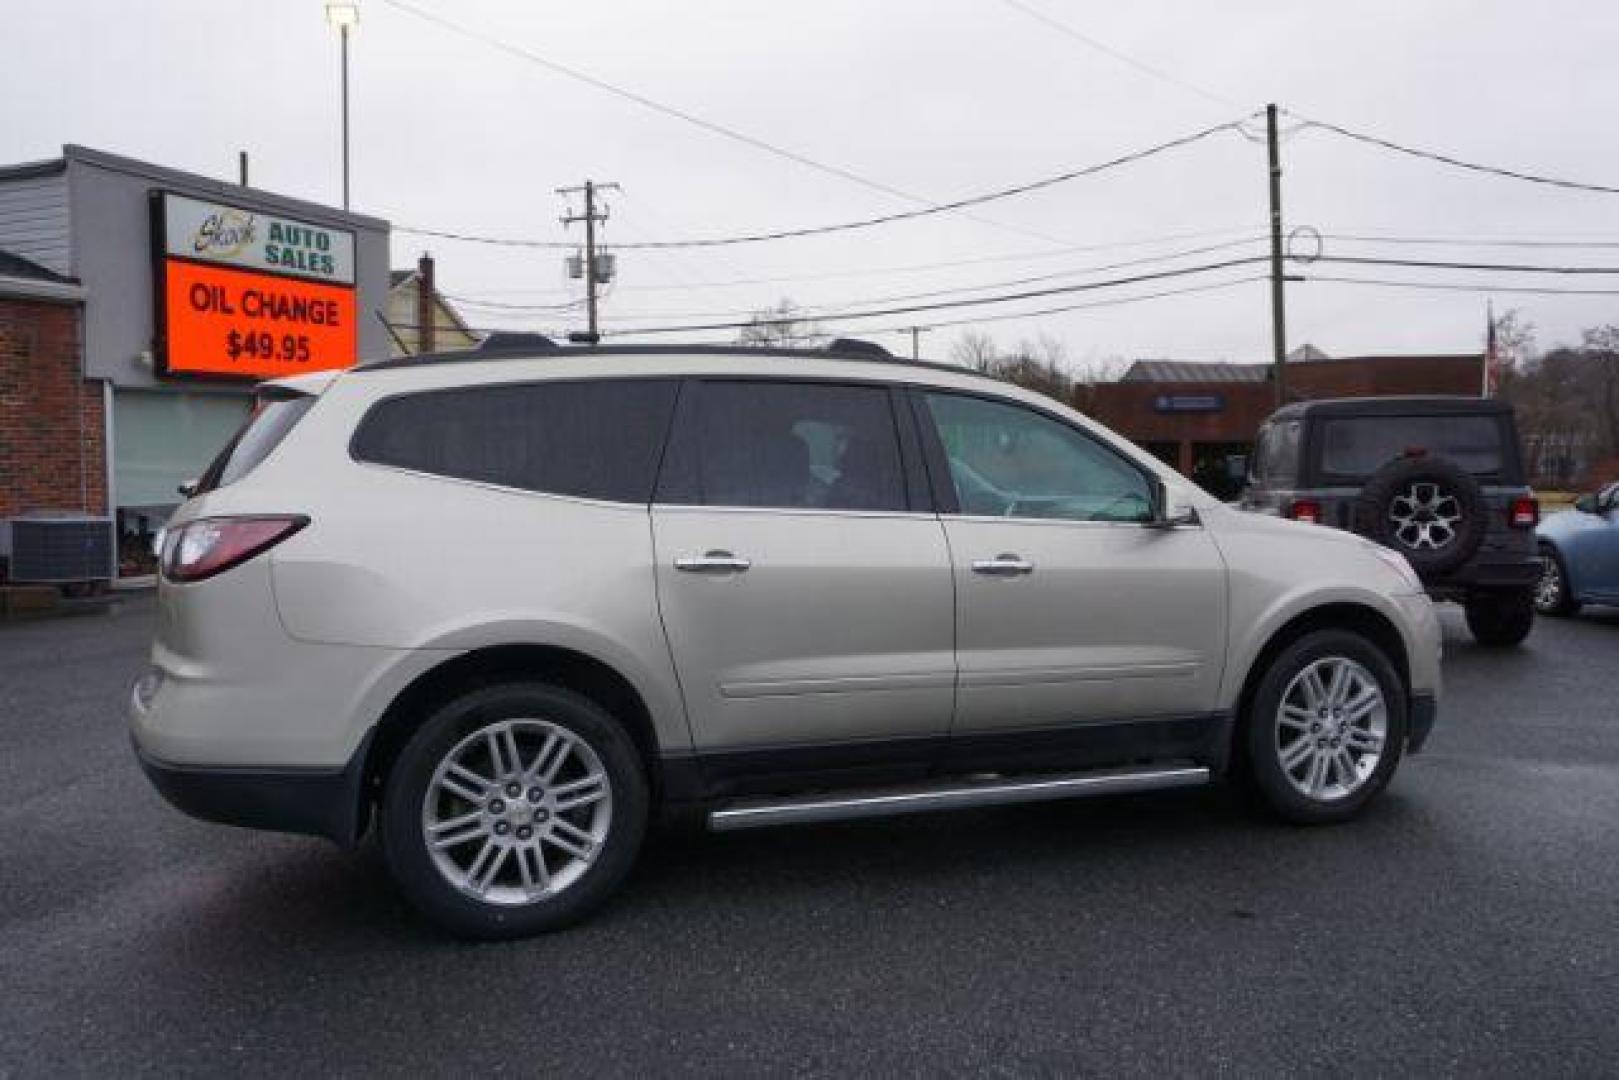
211	546
1305	510
1524	513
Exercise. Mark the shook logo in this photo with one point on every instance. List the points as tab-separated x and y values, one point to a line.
225	234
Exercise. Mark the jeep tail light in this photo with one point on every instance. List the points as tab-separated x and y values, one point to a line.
1524	513
211	546
1305	510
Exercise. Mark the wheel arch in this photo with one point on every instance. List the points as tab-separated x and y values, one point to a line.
1350	615
1560	550
491	665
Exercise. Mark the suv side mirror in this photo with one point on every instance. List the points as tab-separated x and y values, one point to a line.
1586	504
1168	514
187	488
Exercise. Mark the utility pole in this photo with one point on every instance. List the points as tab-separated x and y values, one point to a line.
916	333
592	270
345	16
241	167
1278	309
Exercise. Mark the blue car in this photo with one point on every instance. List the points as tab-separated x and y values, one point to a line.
1579	555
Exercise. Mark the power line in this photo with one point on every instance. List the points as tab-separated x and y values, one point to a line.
473	301
690	118
1446	159
972	320
863	223
646	102
1114	302
1124	58
908	268
1455	286
1477	242
1429	264
834	309
943	305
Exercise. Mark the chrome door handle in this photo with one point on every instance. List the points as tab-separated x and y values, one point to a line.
1003	565
712	562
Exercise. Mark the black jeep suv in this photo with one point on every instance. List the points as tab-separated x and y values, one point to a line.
1438	479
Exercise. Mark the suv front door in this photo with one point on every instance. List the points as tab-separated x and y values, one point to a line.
804	583
1069	609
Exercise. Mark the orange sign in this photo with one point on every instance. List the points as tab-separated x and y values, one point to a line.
259	326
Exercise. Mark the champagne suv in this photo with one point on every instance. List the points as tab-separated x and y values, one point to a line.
508	606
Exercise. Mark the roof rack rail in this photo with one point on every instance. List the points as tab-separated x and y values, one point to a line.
516	339
858	347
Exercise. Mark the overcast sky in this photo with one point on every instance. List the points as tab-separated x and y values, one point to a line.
936	98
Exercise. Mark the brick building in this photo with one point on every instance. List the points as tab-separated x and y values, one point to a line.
53	420
1197	416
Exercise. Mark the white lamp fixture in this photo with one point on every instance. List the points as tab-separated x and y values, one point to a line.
343	16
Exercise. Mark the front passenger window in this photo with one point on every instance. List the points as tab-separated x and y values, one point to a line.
1009	461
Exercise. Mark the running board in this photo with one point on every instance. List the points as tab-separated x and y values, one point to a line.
948	795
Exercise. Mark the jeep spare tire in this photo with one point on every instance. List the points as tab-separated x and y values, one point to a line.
1425	508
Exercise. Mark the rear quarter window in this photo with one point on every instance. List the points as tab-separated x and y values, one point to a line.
596	439
1359	446
270	422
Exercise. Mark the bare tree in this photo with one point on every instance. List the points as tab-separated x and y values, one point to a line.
1101	369
783	326
1602	377
975	349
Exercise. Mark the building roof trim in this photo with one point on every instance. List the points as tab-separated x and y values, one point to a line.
22	278
26	288
226	191
28	170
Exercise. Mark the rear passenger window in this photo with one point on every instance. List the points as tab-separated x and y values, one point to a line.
598	439
788	445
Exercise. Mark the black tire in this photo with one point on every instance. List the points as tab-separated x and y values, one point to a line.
1377	503
1552	595
1501	617
1261	736
404	832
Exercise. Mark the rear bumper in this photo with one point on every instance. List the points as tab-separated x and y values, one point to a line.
1424	710
312	801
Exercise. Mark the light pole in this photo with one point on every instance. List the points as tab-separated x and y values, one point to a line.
345	17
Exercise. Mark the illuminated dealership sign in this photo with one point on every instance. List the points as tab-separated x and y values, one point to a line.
245	294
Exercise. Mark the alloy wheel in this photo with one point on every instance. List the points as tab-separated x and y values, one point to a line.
1426	516
1331	728
1549	588
517	811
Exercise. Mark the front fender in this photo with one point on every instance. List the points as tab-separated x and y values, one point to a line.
1252	631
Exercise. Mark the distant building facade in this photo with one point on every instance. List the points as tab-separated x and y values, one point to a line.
420	319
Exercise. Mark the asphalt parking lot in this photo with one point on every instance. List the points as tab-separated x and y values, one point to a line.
1468	924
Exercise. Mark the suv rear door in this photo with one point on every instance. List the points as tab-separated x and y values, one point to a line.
804	583
1069	611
